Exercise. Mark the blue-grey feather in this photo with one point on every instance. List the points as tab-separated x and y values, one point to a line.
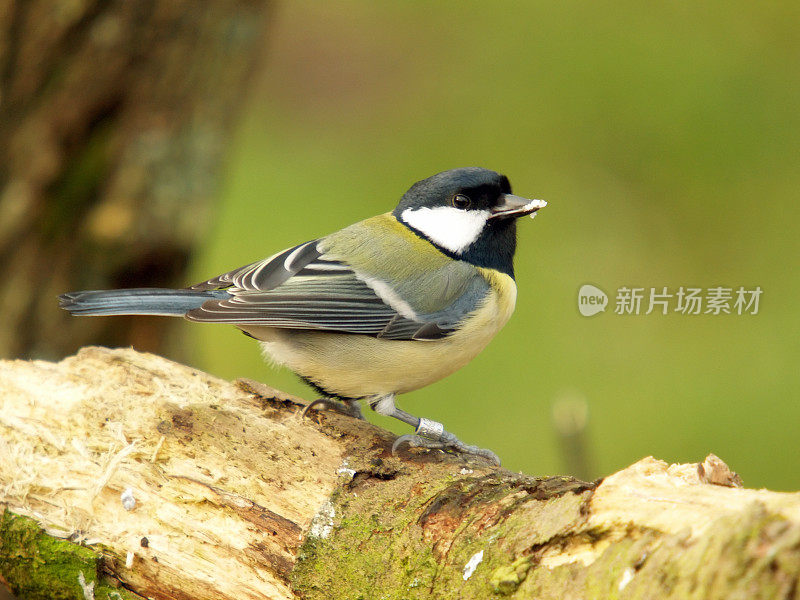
140	301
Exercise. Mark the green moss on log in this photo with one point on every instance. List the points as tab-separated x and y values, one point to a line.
40	567
430	526
752	555
426	530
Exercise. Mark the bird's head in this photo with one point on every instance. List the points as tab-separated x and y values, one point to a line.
468	213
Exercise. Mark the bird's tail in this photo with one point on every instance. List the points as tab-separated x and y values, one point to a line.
140	301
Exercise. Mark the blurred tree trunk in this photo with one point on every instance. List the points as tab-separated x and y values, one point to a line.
113	117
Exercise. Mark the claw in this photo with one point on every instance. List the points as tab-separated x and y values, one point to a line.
349	409
454	445
429	434
413	441
324	402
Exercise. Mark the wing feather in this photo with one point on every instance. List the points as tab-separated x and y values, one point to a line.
303	288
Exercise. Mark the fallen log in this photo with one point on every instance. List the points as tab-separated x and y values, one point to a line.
124	475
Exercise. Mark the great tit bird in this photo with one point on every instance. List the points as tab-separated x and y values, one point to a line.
382	307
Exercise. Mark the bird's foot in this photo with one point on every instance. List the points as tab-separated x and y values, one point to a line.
431	435
347	408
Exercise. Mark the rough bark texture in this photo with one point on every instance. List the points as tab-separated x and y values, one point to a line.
113	114
131	476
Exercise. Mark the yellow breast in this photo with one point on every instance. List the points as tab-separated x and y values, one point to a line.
358	366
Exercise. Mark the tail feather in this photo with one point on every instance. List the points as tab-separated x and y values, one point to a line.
140	301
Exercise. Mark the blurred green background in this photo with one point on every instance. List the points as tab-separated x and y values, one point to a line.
665	137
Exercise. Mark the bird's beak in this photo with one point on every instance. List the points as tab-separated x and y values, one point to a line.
512	206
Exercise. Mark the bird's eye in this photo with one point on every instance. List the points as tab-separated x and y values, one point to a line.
461	201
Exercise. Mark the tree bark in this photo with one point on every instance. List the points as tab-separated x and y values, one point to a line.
113	116
124	475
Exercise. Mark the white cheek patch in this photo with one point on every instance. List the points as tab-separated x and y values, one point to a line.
449	227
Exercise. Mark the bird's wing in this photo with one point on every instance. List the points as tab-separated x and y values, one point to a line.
305	288
271	272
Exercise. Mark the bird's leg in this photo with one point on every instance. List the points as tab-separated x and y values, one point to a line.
429	434
350	408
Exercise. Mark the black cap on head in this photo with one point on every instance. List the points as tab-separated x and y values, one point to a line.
482	187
